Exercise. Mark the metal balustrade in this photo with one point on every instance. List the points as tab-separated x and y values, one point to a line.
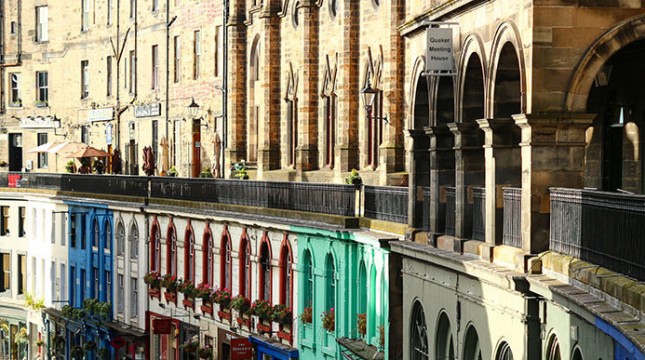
512	230
386	203
602	228
479	213
451	203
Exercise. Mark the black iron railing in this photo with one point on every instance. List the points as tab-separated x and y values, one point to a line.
603	228
387	203
310	197
451	203
512	234
479	213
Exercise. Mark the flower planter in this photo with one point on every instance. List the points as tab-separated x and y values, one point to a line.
154	293
188	303
224	315
170	296
207	309
263	328
286	336
243	322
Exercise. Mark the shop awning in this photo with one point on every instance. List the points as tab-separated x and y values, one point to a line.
357	349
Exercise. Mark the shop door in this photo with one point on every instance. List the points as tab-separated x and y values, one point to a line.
15	152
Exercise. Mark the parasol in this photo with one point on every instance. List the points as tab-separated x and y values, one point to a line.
88	152
66	147
43	147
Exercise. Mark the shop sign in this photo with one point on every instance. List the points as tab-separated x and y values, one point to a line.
161	326
147	110
38	122
108	134
100	114
439	53
241	349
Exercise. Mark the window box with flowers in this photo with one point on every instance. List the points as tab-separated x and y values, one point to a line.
169	281
241	304
307	315
187	288
361	324
153	280
205	292
329	320
281	314
263	310
223	298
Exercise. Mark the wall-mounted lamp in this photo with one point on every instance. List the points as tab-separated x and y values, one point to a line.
57	125
369	94
193	111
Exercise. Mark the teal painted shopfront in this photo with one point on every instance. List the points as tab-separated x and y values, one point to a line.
344	287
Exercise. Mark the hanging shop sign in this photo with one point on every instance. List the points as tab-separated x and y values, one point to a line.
439	51
147	110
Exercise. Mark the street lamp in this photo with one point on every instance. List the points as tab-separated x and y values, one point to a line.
57	125
369	94
193	109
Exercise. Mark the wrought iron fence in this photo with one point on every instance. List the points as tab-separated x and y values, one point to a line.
387	203
310	197
603	228
479	213
451	210
512	233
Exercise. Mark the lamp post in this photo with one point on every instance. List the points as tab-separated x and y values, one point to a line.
368	94
193	111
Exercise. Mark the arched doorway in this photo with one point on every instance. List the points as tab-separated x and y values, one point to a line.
420	155
614	158
472	349
442	156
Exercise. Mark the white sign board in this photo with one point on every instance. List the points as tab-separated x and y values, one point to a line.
439	54
37	122
100	114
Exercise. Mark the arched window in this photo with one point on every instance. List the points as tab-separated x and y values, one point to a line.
225	273
577	354
245	266
285	275
133	239
171	250
189	255
95	234
207	259
418	334
443	341
309	278
362	288
371	313
120	239
330	104
554	349
504	352
108	237
265	271
374	136
155	259
330	274
472	351
254	102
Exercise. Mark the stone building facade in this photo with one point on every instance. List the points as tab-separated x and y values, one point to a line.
118	74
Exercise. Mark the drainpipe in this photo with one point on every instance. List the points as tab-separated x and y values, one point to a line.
224	87
168	25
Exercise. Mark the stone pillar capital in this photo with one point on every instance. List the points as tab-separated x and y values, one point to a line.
463	128
551	129
415	133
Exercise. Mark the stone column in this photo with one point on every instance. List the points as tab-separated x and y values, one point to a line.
307	150
237	97
419	168
269	141
442	174
553	155
502	161
348	88
469	172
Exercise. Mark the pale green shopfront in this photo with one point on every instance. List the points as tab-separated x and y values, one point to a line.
350	273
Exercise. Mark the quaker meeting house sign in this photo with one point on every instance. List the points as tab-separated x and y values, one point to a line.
439	54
